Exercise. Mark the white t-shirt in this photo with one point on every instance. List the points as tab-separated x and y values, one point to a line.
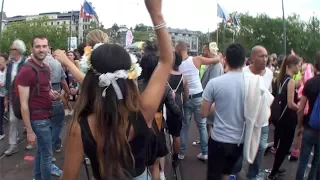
267	77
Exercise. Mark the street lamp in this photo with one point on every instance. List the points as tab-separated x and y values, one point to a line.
284	31
1	22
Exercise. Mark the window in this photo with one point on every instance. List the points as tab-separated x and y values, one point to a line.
51	23
58	23
64	22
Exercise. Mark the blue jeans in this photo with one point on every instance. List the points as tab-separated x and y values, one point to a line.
57	118
192	106
253	170
43	159
310	139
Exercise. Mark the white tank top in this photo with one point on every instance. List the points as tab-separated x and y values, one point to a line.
191	72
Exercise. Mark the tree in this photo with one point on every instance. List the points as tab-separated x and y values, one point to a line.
303	37
25	30
142	32
93	26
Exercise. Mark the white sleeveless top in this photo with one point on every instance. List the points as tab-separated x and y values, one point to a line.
191	72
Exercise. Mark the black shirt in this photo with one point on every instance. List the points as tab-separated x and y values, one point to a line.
311	90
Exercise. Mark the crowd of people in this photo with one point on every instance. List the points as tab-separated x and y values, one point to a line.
118	124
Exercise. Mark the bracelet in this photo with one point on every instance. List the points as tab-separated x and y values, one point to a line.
160	26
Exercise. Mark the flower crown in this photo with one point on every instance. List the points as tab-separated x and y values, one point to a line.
107	79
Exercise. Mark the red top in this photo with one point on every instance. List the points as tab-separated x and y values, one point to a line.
40	105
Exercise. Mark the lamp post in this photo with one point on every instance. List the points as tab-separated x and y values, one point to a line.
284	31
1	16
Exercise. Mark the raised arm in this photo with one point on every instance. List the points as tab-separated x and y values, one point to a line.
150	98
76	73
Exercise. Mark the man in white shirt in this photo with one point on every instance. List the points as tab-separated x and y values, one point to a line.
259	57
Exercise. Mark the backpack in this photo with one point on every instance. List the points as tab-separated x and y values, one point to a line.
276	113
16	106
175	90
314	121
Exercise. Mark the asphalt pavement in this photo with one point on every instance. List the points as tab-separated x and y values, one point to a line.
15	167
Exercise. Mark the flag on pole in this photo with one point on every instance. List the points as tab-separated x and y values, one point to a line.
73	18
222	13
83	14
87	8
236	21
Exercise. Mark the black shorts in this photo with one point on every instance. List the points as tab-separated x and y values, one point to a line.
174	126
222	159
162	146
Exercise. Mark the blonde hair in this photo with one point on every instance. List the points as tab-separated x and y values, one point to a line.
96	36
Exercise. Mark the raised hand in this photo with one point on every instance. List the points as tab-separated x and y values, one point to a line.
154	7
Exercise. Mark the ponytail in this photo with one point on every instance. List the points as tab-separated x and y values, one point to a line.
282	71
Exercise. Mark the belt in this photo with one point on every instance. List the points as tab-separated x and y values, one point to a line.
192	96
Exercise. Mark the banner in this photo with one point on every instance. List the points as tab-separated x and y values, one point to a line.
129	38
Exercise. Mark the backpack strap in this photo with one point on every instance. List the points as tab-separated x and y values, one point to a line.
38	70
174	90
281	86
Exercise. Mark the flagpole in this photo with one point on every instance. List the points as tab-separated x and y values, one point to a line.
223	33
217	33
1	19
284	31
70	31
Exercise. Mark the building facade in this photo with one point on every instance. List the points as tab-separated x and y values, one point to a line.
190	37
69	19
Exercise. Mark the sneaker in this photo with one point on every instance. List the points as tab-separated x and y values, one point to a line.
181	156
281	171
55	171
273	150
71	112
11	150
66	112
2	136
87	161
202	157
58	149
195	143
30	147
162	176
54	159
271	177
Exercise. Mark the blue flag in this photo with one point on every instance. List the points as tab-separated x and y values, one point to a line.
87	8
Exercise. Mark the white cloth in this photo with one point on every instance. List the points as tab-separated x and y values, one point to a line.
267	78
256	111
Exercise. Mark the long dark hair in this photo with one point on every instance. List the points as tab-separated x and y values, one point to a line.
288	61
113	150
148	64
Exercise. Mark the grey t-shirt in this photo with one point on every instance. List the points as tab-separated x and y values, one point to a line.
228	93
56	72
211	71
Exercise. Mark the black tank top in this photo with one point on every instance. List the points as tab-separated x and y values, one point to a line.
140	145
289	116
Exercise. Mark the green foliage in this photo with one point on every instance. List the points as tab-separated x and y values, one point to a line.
26	30
93	26
303	37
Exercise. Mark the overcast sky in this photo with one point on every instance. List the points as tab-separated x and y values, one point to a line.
190	14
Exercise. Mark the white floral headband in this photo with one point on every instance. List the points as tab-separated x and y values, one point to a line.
107	79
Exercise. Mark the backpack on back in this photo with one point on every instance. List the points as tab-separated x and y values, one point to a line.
175	90
276	113
16	105
314	121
